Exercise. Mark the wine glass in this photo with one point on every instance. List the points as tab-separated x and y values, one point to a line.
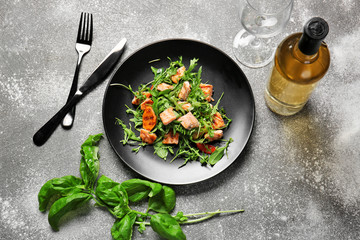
262	20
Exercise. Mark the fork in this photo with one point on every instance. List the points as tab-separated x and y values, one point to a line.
83	46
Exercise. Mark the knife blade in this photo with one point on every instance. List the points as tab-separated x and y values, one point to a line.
99	75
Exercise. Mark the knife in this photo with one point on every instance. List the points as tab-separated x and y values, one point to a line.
99	75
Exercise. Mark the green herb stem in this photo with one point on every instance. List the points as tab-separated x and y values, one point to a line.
216	212
141	213
155	60
100	203
198	219
145	223
210	215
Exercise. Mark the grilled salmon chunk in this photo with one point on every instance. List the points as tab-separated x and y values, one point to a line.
146	102
184	105
218	121
168	116
136	101
170	138
185	90
164	86
217	135
147	137
188	121
179	74
208	91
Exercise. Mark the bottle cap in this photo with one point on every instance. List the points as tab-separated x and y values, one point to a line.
315	31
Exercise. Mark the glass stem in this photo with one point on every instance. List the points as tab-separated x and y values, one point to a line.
255	43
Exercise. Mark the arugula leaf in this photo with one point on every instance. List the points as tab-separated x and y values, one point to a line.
123	228
223	115
128	133
62	187
65	205
162	150
174	65
216	107
126	87
138	189
137	119
164	202
193	63
166	226
89	164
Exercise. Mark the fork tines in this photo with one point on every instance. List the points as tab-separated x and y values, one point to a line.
85	28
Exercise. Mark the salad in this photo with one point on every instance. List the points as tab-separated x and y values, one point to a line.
176	114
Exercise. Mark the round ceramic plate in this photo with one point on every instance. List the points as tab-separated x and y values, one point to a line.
218	69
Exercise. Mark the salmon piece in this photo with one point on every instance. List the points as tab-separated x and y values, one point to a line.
147	94
185	90
170	138
217	135
147	137
184	105
147	102
179	74
168	116
164	86
207	89
188	121
136	101
218	121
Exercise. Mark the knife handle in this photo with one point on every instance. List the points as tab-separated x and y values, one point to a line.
44	133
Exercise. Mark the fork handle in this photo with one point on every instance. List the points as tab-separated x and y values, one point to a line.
68	120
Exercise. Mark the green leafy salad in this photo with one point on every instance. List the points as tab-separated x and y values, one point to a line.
176	113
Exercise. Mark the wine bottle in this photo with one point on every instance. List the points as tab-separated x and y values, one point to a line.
301	60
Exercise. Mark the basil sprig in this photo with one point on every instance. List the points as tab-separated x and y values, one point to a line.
68	193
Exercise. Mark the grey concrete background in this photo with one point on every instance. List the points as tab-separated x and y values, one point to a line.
298	177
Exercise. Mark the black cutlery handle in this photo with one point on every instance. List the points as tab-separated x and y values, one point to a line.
68	121
44	133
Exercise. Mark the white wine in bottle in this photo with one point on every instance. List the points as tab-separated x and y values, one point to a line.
301	60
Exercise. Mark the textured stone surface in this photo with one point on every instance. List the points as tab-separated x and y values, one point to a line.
298	177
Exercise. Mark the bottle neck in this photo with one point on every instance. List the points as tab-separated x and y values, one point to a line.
306	59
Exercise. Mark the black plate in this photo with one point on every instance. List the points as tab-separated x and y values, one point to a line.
218	69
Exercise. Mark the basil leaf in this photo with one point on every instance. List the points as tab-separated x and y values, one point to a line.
164	202
219	153
138	189
89	164
65	205
113	194
123	229
216	155
121	210
167	226
62	187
